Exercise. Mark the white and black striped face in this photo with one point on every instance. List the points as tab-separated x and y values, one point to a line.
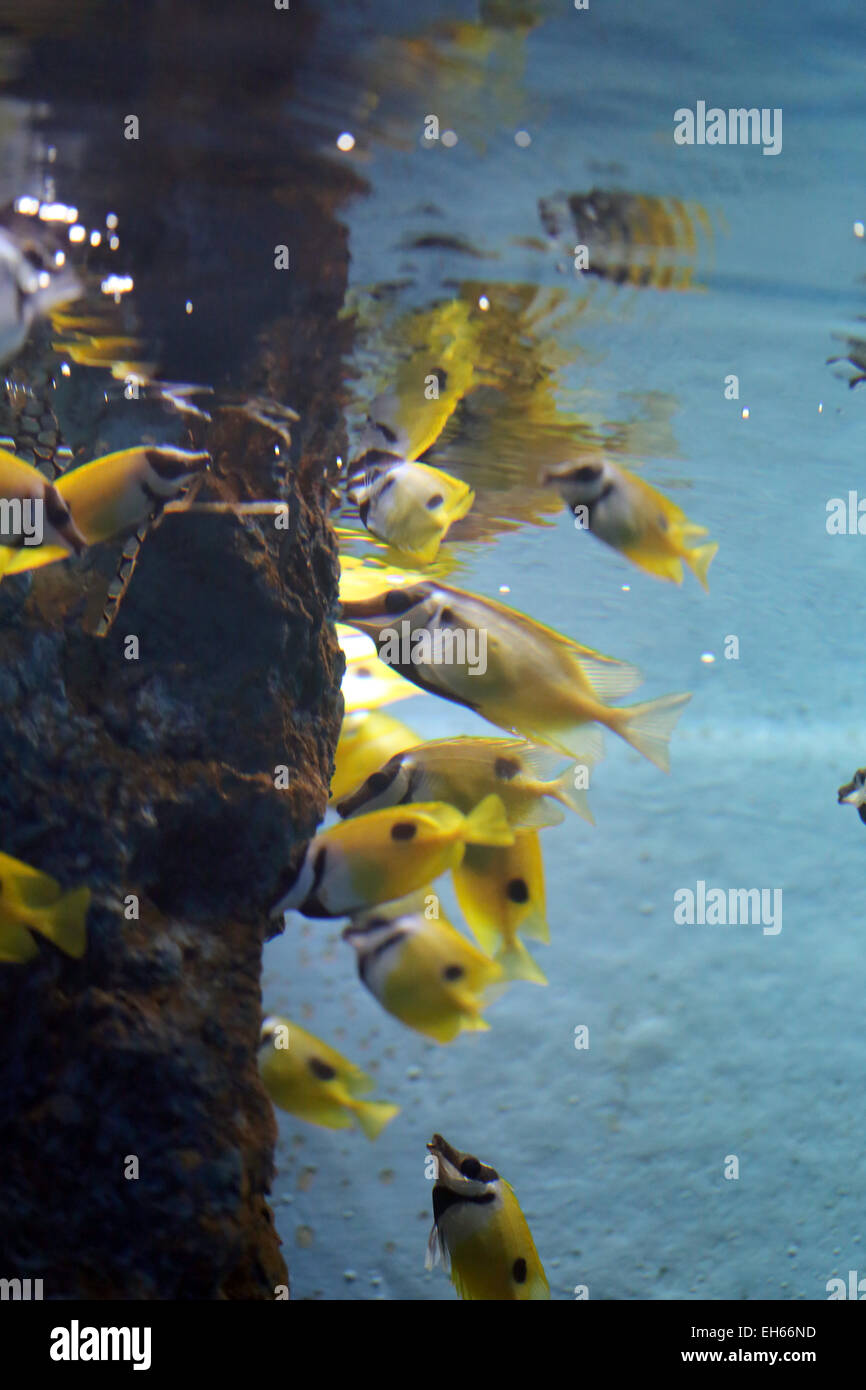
466	1194
60	519
170	470
390	786
303	888
376	940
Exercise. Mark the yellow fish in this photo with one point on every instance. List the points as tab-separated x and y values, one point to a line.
463	771
111	496
31	508
33	901
523	676
632	517
307	1078
421	970
389	854
425	386
480	1231
119	492
411	506
366	741
500	890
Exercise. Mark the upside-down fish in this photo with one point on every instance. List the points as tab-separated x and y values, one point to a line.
420	969
34	517
367	739
306	1077
480	1231
854	793
520	675
463	771
632	517
411	506
389	854
500	889
33	901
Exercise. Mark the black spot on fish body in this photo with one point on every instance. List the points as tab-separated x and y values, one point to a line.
506	768
517	890
380	781
453	972
404	830
435	501
518	1271
321	1070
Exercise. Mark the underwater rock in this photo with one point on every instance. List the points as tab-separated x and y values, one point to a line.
138	1142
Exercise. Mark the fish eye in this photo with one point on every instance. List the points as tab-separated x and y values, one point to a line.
587	473
470	1167
380	781
435	501
453	972
399	600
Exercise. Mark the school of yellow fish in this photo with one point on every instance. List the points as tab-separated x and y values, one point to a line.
408	811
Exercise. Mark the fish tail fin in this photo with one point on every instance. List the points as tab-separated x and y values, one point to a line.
64	922
374	1115
488	824
573	797
699	559
518	964
648	727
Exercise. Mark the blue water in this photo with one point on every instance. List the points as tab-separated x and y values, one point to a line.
705	1041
